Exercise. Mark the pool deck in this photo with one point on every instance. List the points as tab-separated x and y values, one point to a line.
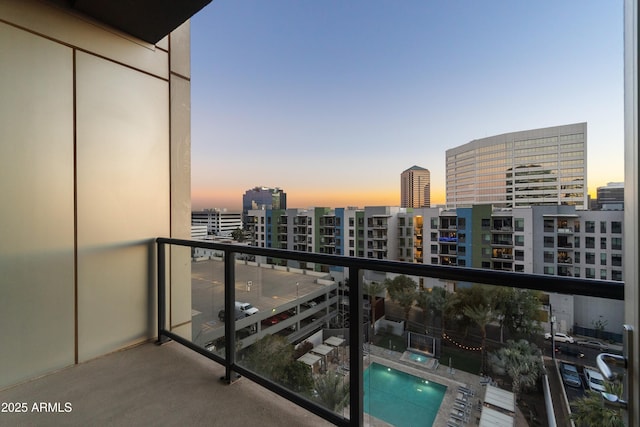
439	374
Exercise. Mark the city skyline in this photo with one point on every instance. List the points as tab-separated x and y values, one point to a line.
331	101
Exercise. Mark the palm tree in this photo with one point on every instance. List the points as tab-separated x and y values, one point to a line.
332	390
402	290
590	410
521	361
373	289
423	300
481	315
441	299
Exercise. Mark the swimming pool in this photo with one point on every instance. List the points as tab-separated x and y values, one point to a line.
399	398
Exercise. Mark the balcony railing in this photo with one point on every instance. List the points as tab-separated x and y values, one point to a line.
305	306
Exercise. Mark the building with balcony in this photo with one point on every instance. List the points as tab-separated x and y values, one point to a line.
415	188
263	198
534	167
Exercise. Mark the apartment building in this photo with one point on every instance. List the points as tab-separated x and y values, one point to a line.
551	240
263	198
219	222
545	166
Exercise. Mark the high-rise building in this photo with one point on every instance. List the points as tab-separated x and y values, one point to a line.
610	197
534	167
263	198
415	188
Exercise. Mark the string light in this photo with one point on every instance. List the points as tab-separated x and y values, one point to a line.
457	344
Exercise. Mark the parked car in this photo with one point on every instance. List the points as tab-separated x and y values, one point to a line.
559	337
593	344
570	375
239	315
247	308
595	380
569	350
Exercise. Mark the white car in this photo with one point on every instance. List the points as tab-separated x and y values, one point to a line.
595	380
246	308
560	337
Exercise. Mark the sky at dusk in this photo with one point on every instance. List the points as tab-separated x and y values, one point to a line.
331	100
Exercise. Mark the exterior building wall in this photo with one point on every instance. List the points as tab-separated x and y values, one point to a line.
94	127
218	222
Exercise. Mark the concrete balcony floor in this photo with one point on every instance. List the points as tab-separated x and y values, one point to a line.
166	385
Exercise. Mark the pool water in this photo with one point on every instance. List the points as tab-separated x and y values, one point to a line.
418	358
399	398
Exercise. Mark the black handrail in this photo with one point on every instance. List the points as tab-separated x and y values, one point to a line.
563	285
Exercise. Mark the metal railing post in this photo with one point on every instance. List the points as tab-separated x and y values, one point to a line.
162	303
356	404
229	314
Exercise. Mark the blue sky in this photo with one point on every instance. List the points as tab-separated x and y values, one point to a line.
331	100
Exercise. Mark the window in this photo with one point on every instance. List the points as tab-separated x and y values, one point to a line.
462	223
351	244
518	240
616	243
576	255
589	226
590	273
576	227
603	274
351	222
486	238
462	250
519	224
462	263
548	257
576	241
486	252
549	241
351	233
486	264
434	237
603	243
603	226
434	260
519	268
616	227
589	242
590	258
603	258
616	260
434	223
548	226
434	249
576	272
519	255
616	275
549	270
351	253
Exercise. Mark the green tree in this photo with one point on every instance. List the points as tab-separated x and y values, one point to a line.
481	315
423	300
238	235
590	410
442	300
273	357
521	361
517	311
475	296
332	391
402	289
373	289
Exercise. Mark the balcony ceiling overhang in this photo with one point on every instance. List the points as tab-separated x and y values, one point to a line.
148	20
